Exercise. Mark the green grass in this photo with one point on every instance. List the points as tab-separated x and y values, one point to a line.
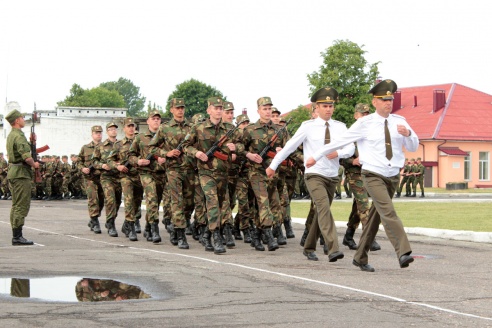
463	191
449	215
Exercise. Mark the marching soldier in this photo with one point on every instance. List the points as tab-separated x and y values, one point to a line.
410	186
405	173
420	176
65	171
3	173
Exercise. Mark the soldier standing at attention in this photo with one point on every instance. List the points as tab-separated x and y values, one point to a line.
103	154
256	137
411	178
213	170
179	169
380	138
3	172
321	179
92	179
412	181
151	175
405	174
65	171
19	176
420	176
130	181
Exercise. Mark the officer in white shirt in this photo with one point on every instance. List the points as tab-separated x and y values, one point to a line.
321	179
380	137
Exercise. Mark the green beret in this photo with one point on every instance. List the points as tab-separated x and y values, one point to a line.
153	113
13	115
384	90
97	128
275	110
215	101
228	105
110	124
177	102
362	108
264	101
325	95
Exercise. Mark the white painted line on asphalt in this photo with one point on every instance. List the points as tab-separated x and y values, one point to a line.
357	290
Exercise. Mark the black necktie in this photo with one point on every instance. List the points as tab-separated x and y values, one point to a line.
387	141
327	133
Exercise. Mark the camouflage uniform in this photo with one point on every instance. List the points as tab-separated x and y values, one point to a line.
405	174
3	175
411	183
57	178
49	171
92	181
75	183
66	173
420	176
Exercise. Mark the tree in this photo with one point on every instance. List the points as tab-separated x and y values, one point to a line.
131	94
298	115
345	69
95	97
195	94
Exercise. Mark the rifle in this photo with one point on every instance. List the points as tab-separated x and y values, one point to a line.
213	151
267	150
34	150
181	144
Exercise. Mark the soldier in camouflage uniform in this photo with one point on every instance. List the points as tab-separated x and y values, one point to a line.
255	138
129	179
3	174
48	177
213	169
360	206
65	171
75	183
57	178
419	177
405	174
104	153
410	185
179	169
152	174
92	179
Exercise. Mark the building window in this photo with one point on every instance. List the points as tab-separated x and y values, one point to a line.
483	166
467	166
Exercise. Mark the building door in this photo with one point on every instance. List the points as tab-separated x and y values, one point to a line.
428	177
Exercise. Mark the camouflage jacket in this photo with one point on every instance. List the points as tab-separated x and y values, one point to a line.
65	169
74	170
256	136
140	149
169	137
3	166
203	136
347	163
103	154
57	169
121	149
85	159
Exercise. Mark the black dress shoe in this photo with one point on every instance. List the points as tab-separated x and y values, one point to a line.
363	267
375	247
333	257
310	255
405	261
325	249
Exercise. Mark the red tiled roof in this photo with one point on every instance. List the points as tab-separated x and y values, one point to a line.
467	114
453	151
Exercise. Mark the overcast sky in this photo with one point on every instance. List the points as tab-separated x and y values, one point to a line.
246	49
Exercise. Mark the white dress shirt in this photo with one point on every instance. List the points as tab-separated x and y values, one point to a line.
368	132
312	136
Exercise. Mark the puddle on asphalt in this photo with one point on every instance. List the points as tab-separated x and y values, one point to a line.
71	289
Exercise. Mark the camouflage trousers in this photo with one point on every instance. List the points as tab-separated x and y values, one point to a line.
200	216
132	195
112	195
419	182
95	196
360	208
216	193
166	199
57	185
267	199
153	186
65	184
181	185
245	200
411	185
283	198
3	181
21	201
232	181
76	185
48	186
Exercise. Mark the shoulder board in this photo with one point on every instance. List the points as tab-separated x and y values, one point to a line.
307	122
398	116
338	122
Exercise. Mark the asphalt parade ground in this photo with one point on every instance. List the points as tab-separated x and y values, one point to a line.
448	285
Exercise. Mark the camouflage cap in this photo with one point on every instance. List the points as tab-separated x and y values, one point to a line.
177	102
325	95
228	105
412	160
153	113
65	156
264	101
384	90
215	101
282	119
197	117
362	108
242	118
419	159
13	115
97	128
110	124
275	110
128	121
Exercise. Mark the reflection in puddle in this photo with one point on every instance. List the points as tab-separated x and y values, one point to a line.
61	289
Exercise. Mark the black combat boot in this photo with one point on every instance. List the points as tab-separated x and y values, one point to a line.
338	196
125	228
348	239
237	234
167	224
229	240
206	240
414	194
173	238
138	228
18	240
281	240
398	194
304	236
182	243
289	232
422	196
111	228
256	239
188	231
247	236
94	225
218	247
195	230
272	244
148	232
154	228
132	235
374	246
